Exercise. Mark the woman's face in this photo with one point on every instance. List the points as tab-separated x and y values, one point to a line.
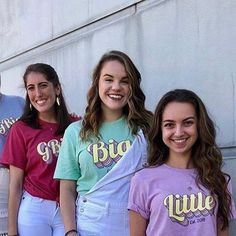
42	95
114	89
179	128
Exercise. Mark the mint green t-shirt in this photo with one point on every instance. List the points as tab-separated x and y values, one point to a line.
87	162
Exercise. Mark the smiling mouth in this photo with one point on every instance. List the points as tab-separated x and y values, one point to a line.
179	141
41	102
115	96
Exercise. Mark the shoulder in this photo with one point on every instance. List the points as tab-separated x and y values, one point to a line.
13	100
76	124
74	127
20	125
146	173
20	129
145	179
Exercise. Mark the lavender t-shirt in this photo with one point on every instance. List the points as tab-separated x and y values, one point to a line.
172	202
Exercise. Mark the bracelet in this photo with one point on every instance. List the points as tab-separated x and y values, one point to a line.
71	231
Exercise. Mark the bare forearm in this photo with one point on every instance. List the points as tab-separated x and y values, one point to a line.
15	193
67	203
13	208
138	224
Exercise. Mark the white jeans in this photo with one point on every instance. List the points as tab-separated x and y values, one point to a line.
101	218
4	185
39	217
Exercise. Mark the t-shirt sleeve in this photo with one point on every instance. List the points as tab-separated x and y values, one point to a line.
67	165
14	152
22	102
138	197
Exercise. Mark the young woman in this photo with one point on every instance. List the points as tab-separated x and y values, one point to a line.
100	153
183	191
31	153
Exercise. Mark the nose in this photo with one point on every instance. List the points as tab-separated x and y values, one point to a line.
179	130
38	92
116	85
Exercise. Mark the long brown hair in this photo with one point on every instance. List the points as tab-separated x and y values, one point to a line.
30	114
206	155
138	117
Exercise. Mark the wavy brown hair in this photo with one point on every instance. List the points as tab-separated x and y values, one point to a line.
138	117
206	155
30	114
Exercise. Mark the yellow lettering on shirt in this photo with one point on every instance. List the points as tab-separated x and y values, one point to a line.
104	154
182	208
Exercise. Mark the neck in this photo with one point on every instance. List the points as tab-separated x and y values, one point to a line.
111	116
180	161
48	117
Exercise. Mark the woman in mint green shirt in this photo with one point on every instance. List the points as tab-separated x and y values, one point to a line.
99	154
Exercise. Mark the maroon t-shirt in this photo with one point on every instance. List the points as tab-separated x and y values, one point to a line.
35	151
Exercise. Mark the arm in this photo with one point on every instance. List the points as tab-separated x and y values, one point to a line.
138	224
68	196
15	192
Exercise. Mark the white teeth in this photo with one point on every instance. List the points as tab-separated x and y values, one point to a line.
40	102
180	140
115	96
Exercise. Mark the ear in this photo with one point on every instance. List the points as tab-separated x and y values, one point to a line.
58	90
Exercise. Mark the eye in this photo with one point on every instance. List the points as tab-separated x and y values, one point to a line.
43	85
125	82
168	125
30	88
108	79
188	123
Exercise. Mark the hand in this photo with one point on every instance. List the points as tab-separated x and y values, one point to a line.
74	115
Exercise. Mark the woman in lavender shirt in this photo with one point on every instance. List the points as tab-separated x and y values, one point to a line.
183	191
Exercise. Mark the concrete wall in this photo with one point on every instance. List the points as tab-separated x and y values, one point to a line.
175	44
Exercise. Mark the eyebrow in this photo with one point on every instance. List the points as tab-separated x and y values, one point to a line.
108	75
44	82
125	77
188	118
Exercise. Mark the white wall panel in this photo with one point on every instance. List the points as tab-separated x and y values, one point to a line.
68	16
186	45
24	24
